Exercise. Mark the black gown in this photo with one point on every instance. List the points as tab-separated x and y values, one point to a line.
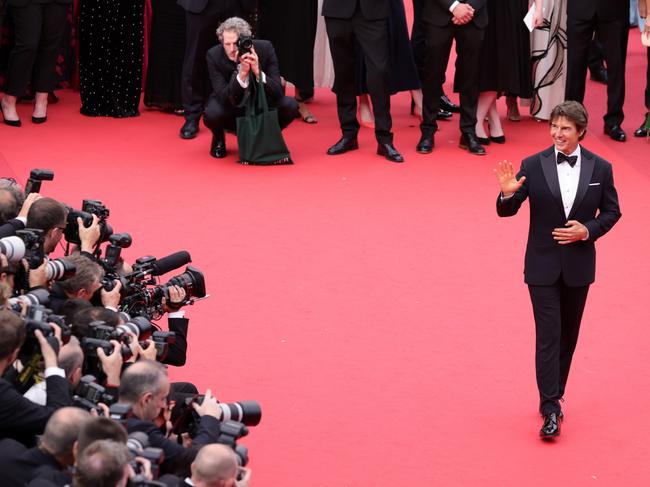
505	58
166	51
111	45
290	25
403	71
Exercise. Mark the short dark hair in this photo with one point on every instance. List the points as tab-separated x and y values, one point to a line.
45	214
100	429
70	307
101	464
87	271
81	320
142	377
12	332
574	112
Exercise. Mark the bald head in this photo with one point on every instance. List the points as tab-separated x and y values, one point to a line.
63	429
214	466
71	357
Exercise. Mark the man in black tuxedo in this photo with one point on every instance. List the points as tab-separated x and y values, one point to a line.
444	21
610	21
20	418
229	74
365	21
201	20
573	202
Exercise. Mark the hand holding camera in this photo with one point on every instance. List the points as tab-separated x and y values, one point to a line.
89	236
27	204
209	406
111	364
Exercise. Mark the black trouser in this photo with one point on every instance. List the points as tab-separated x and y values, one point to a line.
199	37
39	29
469	39
647	81
558	312
613	35
223	116
372	36
596	55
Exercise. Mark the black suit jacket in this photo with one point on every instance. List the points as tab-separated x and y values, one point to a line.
223	74
595	206
9	228
21	419
20	465
604	9
436	12
345	9
198	6
177	354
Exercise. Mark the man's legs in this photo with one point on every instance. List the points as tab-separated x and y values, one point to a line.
573	301
468	47
579	36
438	42
614	36
218	117
287	108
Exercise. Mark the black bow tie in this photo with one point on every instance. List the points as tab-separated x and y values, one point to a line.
561	157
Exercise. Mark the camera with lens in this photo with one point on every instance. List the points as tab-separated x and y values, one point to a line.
111	259
89	393
88	209
138	445
34	251
38	296
92	364
244	45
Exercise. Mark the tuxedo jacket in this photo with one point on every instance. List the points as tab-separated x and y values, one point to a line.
223	74
604	9
345	9
595	206
21	419
198	6
436	12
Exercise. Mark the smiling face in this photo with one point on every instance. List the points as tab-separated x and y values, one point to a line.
565	135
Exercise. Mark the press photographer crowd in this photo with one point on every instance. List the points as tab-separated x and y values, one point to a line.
85	398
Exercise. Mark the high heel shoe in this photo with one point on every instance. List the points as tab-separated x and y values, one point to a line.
39	119
11	123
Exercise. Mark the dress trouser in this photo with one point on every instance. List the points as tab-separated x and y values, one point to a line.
558	311
372	36
200	36
39	29
219	116
438	43
613	35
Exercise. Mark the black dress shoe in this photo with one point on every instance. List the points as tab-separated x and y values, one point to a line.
443	114
389	152
598	75
189	129
447	105
470	143
615	132
551	426
218	147
641	131
344	145
499	139
425	146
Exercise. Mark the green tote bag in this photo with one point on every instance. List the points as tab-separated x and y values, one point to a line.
258	132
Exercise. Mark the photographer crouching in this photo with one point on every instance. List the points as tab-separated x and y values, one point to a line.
230	66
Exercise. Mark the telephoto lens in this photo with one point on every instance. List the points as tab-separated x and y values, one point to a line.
13	248
59	269
247	412
140	326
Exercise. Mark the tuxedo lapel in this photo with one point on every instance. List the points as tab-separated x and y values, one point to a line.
587	163
549	166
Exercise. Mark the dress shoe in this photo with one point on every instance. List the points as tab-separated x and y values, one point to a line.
39	119
11	123
615	132
551	426
642	131
425	146
499	139
598	75
443	114
218	147
470	143
189	129
447	105
344	145
389	152
483	140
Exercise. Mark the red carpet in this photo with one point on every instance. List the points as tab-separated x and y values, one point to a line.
376	310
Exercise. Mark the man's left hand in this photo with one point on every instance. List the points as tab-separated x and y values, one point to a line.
253	61
574	232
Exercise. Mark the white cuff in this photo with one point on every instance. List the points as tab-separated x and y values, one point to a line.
51	371
243	84
22	219
112	308
453	6
177	314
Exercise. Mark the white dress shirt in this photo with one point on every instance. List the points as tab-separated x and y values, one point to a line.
569	178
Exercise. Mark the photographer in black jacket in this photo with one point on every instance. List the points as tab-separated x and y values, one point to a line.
230	71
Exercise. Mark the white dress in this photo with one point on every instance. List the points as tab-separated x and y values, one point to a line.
548	56
323	67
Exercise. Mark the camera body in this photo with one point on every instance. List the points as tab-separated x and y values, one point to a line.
244	45
88	209
89	393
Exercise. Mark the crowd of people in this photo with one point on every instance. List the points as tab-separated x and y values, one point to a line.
85	398
361	49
